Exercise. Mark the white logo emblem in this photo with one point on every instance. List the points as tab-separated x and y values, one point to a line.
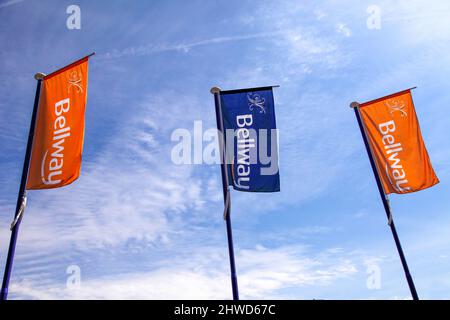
75	81
396	105
255	100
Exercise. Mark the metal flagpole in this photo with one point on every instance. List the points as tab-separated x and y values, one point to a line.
385	199
22	197
226	192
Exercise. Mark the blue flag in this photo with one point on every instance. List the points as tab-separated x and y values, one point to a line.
251	139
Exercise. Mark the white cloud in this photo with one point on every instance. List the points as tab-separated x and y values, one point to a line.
9	3
130	190
342	28
262	273
418	21
184	46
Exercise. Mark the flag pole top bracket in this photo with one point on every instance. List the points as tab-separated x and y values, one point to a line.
39	76
215	90
354	104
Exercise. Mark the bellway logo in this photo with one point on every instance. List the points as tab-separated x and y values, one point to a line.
60	134
395	171
393	149
75	81
396	105
256	101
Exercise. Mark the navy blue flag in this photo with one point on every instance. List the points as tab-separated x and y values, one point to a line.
251	139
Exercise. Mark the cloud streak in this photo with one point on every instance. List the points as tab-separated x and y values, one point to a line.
183	46
263	273
10	3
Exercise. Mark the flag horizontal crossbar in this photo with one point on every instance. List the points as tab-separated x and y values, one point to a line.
68	66
247	89
386	97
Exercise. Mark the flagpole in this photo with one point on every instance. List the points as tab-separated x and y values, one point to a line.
226	192
386	205
21	199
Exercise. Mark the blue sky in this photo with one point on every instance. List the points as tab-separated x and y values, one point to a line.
139	226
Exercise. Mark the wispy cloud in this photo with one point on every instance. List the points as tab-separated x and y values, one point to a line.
139	185
9	3
183	46
342	28
263	273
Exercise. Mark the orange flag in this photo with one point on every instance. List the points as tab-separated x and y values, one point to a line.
395	139
59	132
